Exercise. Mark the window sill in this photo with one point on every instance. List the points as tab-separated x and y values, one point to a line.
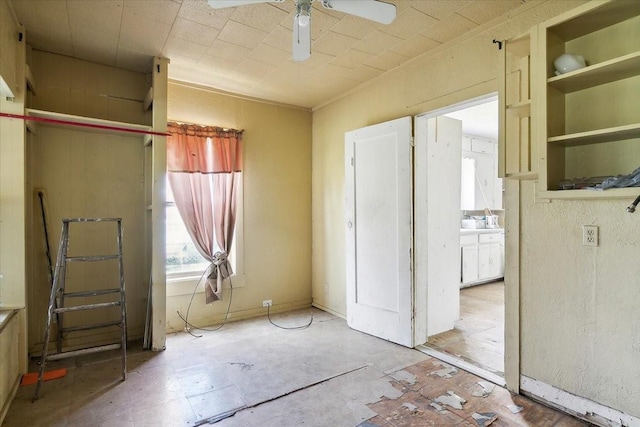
184	285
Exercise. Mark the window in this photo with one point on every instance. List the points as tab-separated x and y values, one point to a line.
183	259
184	262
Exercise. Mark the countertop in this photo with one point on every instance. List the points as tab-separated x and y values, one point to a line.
465	231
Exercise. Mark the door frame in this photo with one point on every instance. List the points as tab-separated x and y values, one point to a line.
511	205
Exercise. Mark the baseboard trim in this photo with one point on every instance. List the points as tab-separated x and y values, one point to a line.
577	406
328	310
238	315
463	364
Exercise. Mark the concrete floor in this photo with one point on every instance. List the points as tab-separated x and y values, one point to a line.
251	373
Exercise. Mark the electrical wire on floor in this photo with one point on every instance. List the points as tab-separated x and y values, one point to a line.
288	327
188	326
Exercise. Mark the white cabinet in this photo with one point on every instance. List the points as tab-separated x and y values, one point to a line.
489	256
480	186
469	248
482	256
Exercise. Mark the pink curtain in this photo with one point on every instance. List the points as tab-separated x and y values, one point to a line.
203	166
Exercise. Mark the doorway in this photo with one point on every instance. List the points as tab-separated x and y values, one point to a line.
477	338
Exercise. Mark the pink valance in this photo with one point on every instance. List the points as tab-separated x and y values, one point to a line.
203	149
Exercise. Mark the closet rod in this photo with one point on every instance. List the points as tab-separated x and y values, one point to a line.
88	125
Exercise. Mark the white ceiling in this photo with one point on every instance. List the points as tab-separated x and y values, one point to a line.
246	49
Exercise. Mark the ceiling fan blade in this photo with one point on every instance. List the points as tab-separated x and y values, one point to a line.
372	10
301	50
220	4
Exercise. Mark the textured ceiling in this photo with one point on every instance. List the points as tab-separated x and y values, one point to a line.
247	49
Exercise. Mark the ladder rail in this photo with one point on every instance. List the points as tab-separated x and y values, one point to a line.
57	301
52	299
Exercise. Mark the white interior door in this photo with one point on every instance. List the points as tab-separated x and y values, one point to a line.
378	204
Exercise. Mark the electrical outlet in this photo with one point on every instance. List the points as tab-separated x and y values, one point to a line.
326	288
589	235
267	303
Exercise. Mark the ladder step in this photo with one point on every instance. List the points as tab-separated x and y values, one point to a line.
90	219
95	326
92	293
86	307
90	350
91	258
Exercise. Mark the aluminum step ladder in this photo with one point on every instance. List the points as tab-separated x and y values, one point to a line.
59	297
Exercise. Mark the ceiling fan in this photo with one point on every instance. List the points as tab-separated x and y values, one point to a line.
373	10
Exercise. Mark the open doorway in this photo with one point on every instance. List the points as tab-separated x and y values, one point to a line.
478	335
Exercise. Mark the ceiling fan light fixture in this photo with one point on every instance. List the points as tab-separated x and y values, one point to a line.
303	12
303	20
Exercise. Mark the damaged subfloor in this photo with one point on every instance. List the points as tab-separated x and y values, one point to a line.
251	373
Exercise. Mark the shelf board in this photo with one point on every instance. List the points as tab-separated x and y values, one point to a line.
521	109
112	127
522	175
618	133
612	193
595	17
598	74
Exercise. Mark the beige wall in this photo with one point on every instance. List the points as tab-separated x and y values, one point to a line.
87	174
579	322
277	203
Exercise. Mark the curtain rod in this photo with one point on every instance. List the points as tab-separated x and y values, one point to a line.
79	124
179	123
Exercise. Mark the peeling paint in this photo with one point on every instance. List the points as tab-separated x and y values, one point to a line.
437	407
515	408
487	388
484	419
410	406
446	372
451	399
404	376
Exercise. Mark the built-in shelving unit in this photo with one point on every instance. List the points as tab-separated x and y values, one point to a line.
589	119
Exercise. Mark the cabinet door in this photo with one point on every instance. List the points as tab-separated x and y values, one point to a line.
484	255
485	178
469	264
489	260
495	260
468	182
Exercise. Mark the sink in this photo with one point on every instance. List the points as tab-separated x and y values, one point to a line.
473	223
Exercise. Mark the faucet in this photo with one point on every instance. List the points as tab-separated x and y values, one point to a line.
632	207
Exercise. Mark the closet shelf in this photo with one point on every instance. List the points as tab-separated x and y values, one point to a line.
89	124
612	193
597	74
618	133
